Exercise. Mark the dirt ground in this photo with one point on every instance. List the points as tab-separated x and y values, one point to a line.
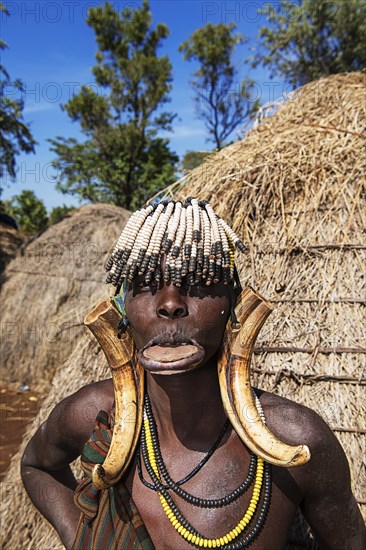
17	409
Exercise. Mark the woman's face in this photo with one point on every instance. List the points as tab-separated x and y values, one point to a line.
169	322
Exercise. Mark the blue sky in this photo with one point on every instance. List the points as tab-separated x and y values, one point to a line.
51	49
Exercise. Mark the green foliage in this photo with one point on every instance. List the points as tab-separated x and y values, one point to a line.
222	99
192	159
58	213
29	212
15	135
312	38
122	160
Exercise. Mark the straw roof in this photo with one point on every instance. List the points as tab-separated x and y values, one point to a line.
293	190
49	288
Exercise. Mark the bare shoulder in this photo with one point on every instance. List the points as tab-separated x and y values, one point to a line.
293	422
61	438
75	415
324	482
297	424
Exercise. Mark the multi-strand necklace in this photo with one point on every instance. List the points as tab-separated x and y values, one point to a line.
259	472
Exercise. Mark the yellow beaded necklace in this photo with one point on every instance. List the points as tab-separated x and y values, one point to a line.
185	533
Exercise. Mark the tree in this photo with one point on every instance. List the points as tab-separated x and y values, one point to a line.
58	213
15	135
222	99
29	212
192	159
312	38
122	160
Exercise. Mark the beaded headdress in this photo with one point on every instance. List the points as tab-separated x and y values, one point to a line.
198	245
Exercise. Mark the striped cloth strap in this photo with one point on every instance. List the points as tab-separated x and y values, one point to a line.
110	519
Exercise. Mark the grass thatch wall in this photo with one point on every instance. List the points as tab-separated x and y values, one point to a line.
48	289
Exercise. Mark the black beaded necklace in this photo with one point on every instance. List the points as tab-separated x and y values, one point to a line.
195	470
175	486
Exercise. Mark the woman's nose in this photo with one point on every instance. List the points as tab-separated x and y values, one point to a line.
171	304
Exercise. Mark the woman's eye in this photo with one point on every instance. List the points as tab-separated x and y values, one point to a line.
196	290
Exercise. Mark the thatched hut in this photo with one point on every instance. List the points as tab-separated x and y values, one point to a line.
49	287
67	277
293	190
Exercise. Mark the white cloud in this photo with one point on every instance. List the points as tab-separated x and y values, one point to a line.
40	107
188	131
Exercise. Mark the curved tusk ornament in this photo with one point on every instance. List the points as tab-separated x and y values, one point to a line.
128	383
234	377
252	311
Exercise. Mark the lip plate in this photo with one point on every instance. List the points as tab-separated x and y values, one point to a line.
171	367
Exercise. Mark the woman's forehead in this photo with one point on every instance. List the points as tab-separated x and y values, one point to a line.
138	286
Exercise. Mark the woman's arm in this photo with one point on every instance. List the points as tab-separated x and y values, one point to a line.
46	473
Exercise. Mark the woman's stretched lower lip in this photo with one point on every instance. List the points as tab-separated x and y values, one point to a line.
182	364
